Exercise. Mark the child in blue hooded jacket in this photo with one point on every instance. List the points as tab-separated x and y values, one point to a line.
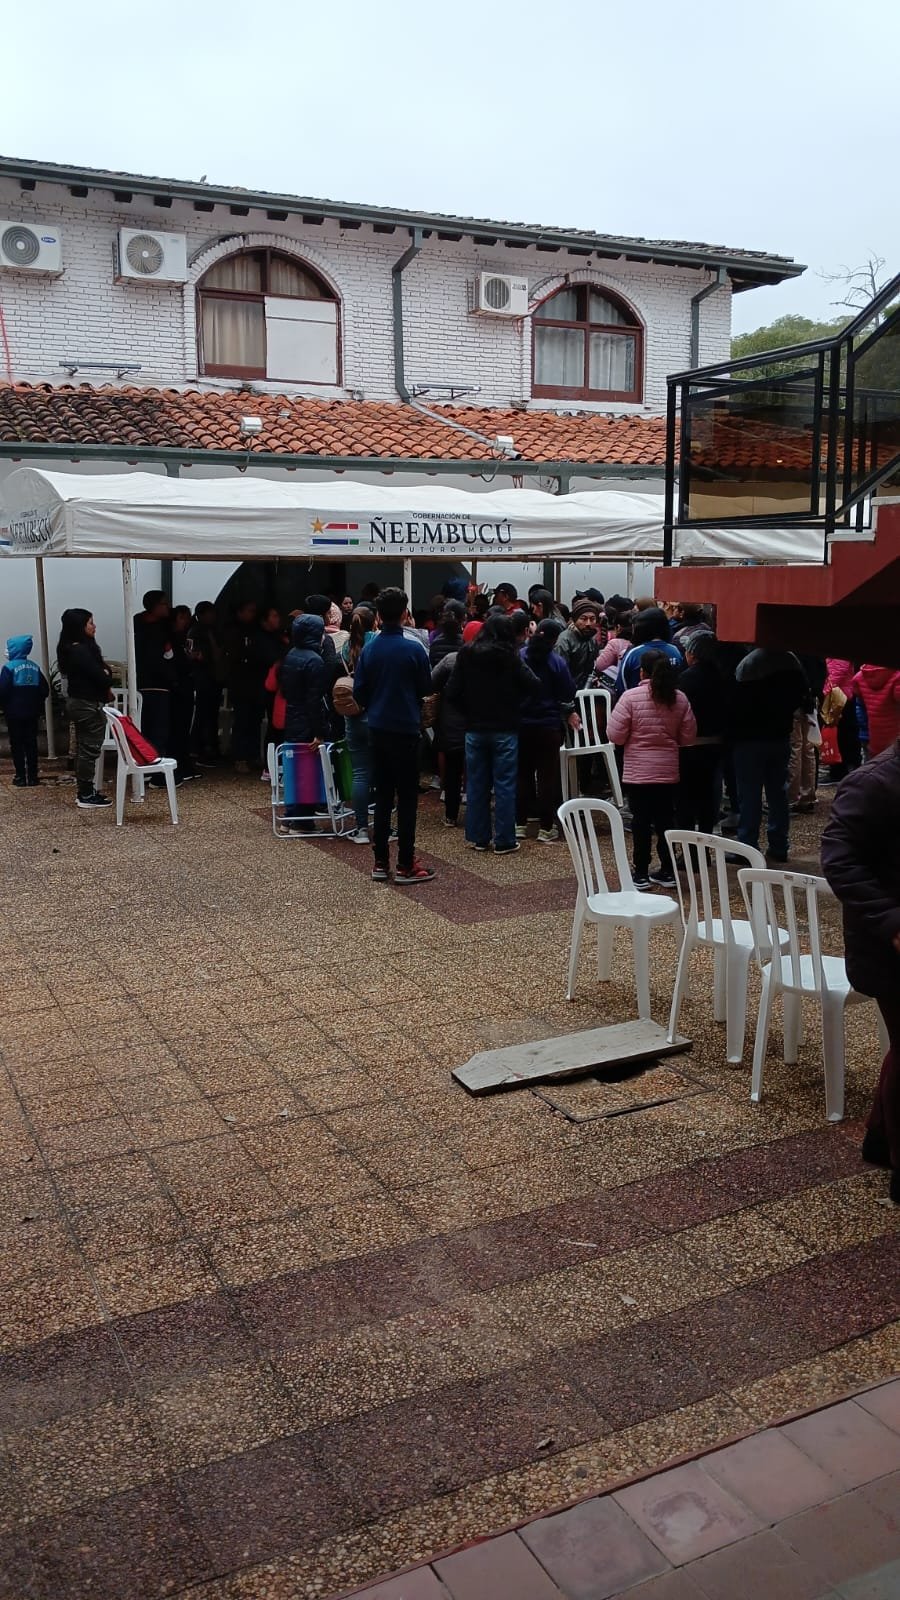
23	690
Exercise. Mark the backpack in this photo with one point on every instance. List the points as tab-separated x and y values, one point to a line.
342	697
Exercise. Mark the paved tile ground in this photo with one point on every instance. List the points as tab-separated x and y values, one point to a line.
806	1511
283	1309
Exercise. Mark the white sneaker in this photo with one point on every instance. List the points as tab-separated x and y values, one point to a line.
359	836
265	776
521	831
548	835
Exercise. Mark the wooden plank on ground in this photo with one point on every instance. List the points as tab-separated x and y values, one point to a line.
545	1060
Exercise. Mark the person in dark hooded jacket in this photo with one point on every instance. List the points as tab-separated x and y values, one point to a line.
861	860
303	682
23	690
769	686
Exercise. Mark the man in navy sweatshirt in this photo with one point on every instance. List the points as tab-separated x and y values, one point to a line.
391	680
23	690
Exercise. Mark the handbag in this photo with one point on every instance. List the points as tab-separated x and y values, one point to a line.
343	769
342	697
830	753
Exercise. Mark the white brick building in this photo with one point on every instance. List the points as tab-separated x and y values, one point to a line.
286	296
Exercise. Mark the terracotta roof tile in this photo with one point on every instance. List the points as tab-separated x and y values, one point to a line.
195	420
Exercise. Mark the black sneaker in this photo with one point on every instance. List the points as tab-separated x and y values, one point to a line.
381	872
506	849
640	881
32	783
90	802
20	783
663	879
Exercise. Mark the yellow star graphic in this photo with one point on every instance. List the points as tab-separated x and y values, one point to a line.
317	526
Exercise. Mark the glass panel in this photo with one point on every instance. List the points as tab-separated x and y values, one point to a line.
602	310
559	358
876	401
234	333
288	278
562	307
241	273
611	359
751	449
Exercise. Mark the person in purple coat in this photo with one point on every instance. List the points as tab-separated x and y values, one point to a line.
861	860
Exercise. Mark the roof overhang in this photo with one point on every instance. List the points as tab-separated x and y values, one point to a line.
747	269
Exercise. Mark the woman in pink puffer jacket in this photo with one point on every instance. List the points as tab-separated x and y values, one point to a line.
652	721
879	690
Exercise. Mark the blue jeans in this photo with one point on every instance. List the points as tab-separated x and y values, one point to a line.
762	764
356	732
492	762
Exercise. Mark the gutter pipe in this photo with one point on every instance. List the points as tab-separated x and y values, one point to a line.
397	271
719	282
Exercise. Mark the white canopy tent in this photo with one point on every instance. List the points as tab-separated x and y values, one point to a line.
141	514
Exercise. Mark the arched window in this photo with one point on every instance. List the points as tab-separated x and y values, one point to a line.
587	346
263	315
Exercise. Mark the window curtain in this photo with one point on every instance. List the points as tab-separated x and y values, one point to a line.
288	279
611	362
559	358
242	274
602	310
234	333
562	307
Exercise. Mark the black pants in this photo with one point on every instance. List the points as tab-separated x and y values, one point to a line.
454	767
23	733
652	809
540	786
182	715
395	772
205	731
246	730
156	718
884	1117
698	790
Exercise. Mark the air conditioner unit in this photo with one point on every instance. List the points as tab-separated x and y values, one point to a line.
151	257
497	295
31	247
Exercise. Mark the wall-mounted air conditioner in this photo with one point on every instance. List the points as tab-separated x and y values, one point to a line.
497	295
31	247
151	257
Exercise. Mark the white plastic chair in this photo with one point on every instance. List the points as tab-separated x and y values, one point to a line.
792	898
127	768
341	817
109	746
704	896
625	907
593	707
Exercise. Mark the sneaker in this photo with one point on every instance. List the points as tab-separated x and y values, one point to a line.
663	879
435	783
549	835
358	836
90	802
481	848
381	872
32	783
521	831
450	822
265	776
506	849
20	783
414	874
641	881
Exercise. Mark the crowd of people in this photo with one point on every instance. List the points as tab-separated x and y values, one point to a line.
483	690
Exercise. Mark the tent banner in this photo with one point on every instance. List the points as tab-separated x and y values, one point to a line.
248	518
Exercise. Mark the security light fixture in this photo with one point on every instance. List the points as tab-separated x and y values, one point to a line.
251	427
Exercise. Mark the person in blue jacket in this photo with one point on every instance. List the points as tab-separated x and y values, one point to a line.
650	632
23	691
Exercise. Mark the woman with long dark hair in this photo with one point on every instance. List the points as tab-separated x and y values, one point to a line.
653	722
89	682
490	684
356	728
541	733
448	636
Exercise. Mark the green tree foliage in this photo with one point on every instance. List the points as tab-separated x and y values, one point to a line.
775	336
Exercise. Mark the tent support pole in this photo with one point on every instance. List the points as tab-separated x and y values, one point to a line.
45	654
407	577
128	586
629	579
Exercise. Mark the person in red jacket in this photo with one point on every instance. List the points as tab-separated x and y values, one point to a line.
879	690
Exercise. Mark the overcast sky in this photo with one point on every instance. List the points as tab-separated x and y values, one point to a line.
772	125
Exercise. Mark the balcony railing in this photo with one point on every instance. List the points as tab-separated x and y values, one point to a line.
802	435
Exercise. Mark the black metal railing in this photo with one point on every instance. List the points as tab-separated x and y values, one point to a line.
799	436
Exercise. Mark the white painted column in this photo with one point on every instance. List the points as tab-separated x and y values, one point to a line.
128	587
45	653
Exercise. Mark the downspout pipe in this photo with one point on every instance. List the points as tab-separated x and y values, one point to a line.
719	282
397	271
166	583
